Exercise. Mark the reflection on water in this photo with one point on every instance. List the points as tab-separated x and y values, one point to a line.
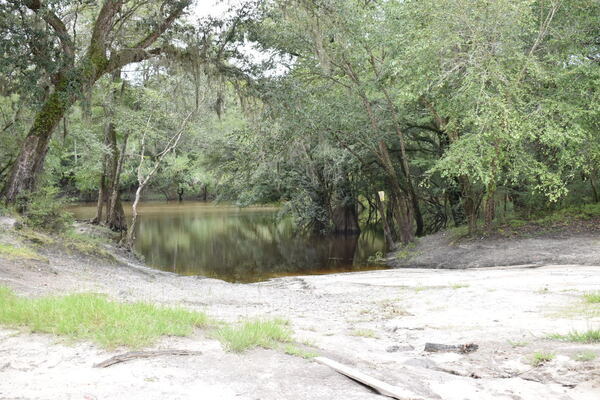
239	245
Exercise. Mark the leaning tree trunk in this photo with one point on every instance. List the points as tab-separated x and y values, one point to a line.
30	160
134	214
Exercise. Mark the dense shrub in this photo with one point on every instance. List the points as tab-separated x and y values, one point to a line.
43	209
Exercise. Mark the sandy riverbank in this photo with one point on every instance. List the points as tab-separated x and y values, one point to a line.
377	321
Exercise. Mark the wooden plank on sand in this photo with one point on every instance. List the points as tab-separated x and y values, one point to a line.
379	386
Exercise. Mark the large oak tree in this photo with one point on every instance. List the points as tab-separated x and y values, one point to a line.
122	32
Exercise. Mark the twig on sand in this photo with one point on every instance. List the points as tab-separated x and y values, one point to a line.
133	355
462	348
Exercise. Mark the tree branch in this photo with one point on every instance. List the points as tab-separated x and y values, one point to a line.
102	27
59	27
163	26
138	52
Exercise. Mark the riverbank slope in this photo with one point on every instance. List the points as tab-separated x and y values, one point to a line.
559	239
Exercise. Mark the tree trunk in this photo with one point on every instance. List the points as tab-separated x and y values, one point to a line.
402	208
345	219
470	203
456	207
101	197
134	214
490	208
595	197
30	161
180	194
387	231
116	215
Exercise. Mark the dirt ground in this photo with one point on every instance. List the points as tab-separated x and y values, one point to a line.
376	321
445	250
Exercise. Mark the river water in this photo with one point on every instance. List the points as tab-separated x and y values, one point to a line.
239	244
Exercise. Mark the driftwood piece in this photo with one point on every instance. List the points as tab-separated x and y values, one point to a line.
134	355
445	348
379	386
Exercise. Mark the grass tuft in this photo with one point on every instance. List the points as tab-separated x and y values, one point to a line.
14	253
460	285
368	333
540	358
92	317
298	352
585	356
251	334
589	336
592	298
514	343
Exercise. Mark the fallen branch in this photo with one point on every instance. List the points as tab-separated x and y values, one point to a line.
379	386
134	355
461	348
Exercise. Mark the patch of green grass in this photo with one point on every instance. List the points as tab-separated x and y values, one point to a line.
14	253
592	298
517	343
86	244
455	234
298	352
368	333
585	356
405	252
460	285
589	336
577	310
36	237
517	223
257	333
93	317
422	288
540	358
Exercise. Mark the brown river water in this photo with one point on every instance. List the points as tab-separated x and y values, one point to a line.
240	244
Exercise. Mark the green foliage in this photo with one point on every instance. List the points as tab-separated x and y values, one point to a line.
45	211
92	317
257	333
